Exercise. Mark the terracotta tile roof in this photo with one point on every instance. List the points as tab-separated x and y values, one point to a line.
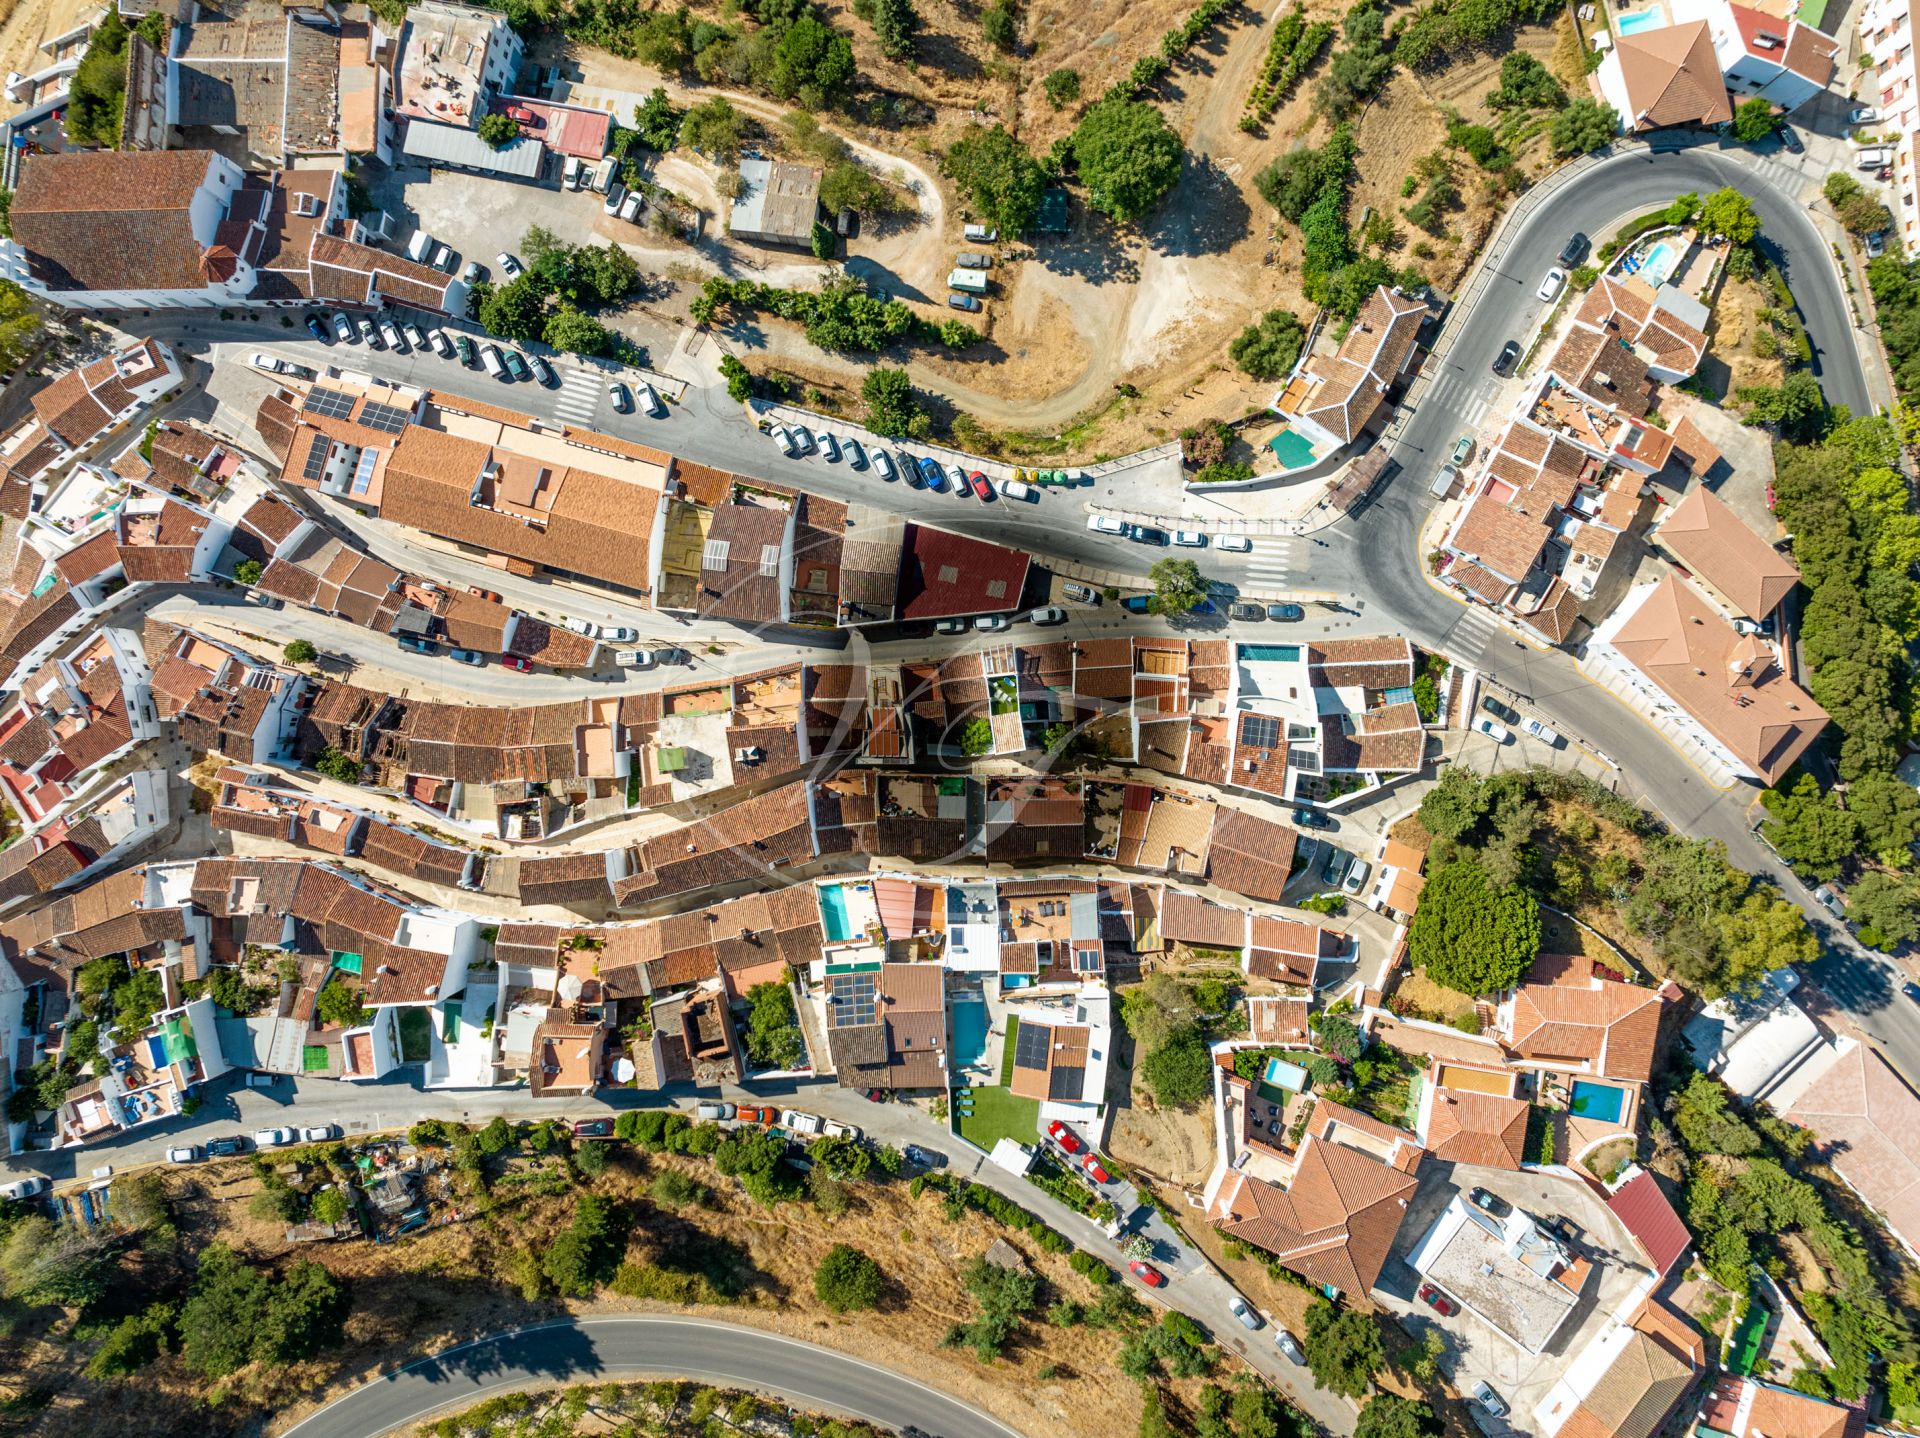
1275	1018
943	574
1478	1128
1811	54
69	410
1694	447
1672	77
1500	537
1783	1413
1652	1373
1730	683
1288	952
565	879
1483	582
1372	354
745	547
110	219
1375	663
1868	1124
1709	538
1334	1225
1250	855
1191	919
1565	1011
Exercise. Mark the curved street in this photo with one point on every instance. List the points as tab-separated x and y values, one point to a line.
596	1350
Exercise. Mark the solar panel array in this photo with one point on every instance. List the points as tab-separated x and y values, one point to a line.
853	1000
316	458
386	418
1260	731
328	403
1030	1043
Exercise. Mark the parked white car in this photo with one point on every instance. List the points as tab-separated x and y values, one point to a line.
185	1153
1493	729
23	1188
268	363
1550	286
649	401
835	1129
856	456
829	446
1189	539
782	436
319	1133
273	1137
1542	732
798	1122
991	623
442	343
1234	544
883	464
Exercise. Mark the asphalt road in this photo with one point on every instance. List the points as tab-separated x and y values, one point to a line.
596	1350
1372	558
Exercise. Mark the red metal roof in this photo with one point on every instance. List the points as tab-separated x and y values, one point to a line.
944	574
564	128
1643	1208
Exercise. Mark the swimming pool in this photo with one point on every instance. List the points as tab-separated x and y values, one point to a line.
1597	1101
833	914
1637	21
969	1046
1270	653
1657	268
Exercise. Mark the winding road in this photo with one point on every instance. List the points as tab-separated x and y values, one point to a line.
596	1350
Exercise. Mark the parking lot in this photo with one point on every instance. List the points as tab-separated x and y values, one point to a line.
1475	1350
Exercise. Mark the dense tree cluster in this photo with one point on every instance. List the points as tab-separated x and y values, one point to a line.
1002	182
841	317
1441	28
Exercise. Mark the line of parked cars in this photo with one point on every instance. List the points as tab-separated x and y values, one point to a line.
262	1138
503	362
1184	538
919	472
1498	715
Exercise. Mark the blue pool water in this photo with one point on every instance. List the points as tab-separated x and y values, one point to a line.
833	914
1597	1100
1657	268
1271	653
969	1047
1636	22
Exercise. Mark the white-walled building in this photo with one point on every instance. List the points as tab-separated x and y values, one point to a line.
1893	78
1775	57
175	229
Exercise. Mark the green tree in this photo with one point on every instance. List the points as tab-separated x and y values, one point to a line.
846	1279
515	310
1584	125
1179	1072
997	25
19	325
976	737
1268	348
238	1314
1886	904
583	1255
822	241
133	1343
1342	1348
329	1205
299	651
1388	1415
344	768
1728	212
1469	936
1764	933
69	1266
1525	84
773	1035
1456	803
1795	406
892	408
1887	812
339	1005
1062	87
1177	587
896	28
846	186
812	64
248	572
1753	120
1002	182
1127	157
657	121
714	128
569	330
739	379
498	131
1810	829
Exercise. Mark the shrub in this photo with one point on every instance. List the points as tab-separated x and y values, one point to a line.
1267	349
1062	88
497	131
847	1279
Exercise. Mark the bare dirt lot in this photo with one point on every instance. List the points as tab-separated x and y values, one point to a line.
1110	338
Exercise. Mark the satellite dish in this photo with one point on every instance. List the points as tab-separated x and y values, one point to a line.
570	987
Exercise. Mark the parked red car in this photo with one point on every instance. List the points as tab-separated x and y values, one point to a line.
517	663
593	1128
981	488
1438	1301
1147	1274
1092	1166
745	1114
1064	1136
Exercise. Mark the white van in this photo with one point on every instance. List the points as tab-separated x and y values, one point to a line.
1106	524
1873	159
490	357
1442	484
573	170
420	246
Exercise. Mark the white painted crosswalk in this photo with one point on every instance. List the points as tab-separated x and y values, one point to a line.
1457	395
579	397
1476	632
